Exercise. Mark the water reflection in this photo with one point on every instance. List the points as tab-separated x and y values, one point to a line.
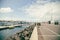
8	32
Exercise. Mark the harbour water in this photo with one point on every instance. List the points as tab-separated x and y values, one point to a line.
9	32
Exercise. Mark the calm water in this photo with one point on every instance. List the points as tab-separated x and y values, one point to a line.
8	32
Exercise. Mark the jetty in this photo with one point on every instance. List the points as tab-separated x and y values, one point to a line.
11	26
46	32
38	31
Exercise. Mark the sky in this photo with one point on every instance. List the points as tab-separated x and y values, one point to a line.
30	10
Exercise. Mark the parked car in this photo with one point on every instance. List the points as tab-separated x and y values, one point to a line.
56	22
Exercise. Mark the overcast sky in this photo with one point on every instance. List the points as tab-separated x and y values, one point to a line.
30	10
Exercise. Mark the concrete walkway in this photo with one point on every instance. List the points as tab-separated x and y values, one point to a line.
40	37
46	32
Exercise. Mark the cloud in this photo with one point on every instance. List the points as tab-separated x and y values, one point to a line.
11	18
42	1
40	11
46	1
6	10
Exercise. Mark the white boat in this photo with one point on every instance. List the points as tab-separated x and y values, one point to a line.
11	26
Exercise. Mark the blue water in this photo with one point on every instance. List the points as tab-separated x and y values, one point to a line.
9	32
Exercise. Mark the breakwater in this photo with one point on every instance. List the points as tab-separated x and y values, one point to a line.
22	35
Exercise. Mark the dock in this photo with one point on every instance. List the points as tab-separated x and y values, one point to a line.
11	26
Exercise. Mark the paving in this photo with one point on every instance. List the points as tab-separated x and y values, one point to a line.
48	32
39	34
